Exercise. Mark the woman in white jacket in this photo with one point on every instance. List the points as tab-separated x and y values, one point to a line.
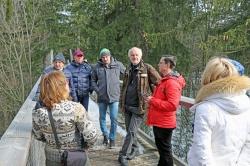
222	117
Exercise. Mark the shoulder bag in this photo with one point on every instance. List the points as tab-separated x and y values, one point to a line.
68	157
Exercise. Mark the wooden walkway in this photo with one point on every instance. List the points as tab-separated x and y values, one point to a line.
19	148
101	155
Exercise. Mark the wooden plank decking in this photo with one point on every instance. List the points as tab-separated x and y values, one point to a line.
20	149
101	155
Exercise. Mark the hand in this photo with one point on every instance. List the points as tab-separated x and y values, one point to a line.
147	99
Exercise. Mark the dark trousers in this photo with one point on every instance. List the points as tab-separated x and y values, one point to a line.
84	100
163	143
130	146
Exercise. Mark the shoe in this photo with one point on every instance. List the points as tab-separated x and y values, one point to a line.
105	140
111	144
123	161
133	154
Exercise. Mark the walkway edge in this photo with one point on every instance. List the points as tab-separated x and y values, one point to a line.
16	141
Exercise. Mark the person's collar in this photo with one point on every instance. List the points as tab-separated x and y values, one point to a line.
58	69
77	64
167	73
136	66
111	61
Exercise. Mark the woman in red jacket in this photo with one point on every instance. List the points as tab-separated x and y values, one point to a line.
162	108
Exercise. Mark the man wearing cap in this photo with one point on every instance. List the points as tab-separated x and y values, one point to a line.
106	83
81	74
162	107
58	64
139	79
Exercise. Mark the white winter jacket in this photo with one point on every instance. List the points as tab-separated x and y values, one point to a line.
222	124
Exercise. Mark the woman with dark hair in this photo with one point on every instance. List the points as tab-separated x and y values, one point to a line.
162	107
70	119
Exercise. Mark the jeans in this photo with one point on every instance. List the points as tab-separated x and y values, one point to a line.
163	143
84	100
113	109
130	146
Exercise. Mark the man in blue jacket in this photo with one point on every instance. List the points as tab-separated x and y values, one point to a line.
58	65
106	83
81	74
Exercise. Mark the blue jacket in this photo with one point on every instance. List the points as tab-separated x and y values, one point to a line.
81	74
106	80
68	76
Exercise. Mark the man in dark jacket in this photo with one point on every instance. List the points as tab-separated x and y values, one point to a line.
81	74
139	79
106	83
58	65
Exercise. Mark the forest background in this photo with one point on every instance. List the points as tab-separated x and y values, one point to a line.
193	30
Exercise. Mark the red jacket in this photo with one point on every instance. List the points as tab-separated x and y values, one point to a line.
165	101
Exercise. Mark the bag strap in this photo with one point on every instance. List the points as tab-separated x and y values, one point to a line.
54	129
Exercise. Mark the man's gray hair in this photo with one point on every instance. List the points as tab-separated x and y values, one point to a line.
138	50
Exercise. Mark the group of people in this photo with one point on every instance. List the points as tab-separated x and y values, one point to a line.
77	73
140	80
221	128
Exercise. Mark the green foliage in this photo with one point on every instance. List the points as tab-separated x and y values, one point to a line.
192	30
19	39
9	10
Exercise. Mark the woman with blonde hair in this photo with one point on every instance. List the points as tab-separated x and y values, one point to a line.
222	111
70	119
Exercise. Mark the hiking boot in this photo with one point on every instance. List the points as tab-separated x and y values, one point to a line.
111	144
123	160
105	140
133	154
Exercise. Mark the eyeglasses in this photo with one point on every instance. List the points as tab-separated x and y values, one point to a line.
79	55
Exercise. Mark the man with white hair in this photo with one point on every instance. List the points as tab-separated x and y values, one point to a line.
139	79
